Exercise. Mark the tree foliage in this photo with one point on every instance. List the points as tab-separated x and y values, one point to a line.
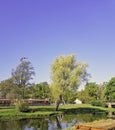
22	75
67	74
8	89
89	93
84	96
92	89
69	96
101	91
110	90
5	88
42	90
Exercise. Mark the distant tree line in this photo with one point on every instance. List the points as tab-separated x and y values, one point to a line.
66	76
98	92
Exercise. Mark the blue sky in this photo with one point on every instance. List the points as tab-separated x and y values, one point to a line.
44	29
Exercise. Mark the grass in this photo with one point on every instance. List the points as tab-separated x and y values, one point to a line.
34	112
40	111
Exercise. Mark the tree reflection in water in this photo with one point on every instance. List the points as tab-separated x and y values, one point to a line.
58	122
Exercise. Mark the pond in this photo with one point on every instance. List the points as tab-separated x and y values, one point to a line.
59	122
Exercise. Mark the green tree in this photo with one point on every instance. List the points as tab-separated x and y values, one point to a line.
67	74
4	88
101	90
22	75
8	89
92	92
84	96
110	90
30	92
69	96
92	89
42	90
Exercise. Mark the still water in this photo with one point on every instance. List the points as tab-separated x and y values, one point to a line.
59	122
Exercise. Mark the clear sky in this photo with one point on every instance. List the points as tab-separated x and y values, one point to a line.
44	29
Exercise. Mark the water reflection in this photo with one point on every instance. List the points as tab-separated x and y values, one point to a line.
58	122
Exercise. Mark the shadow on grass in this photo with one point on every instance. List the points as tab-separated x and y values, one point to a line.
69	110
82	110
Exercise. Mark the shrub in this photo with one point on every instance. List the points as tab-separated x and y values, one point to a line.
22	106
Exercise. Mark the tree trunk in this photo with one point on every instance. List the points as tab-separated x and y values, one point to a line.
59	101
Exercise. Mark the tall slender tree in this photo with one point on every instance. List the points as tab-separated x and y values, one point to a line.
22	75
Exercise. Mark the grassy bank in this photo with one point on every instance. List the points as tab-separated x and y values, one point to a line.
40	111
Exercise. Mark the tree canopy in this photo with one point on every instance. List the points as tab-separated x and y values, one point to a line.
67	74
41	90
92	89
22	75
110	90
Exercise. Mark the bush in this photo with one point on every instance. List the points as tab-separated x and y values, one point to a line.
98	103
22	106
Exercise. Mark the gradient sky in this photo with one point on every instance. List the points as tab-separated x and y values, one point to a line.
44	29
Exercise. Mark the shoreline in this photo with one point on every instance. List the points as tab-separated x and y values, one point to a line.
10	113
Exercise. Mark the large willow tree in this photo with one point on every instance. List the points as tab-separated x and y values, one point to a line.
67	74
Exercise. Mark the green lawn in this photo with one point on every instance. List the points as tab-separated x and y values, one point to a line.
38	111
